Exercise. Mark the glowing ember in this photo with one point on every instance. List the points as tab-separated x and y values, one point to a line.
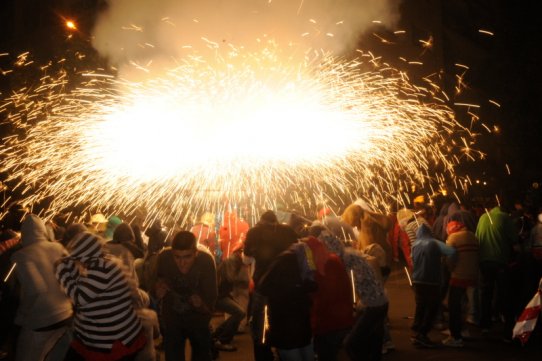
253	128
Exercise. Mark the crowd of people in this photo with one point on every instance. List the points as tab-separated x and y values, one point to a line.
310	288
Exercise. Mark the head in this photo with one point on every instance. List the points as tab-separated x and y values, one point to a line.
123	233
208	219
184	250
352	215
33	230
268	217
97	223
71	231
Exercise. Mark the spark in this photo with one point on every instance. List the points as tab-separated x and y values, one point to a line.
249	127
70	24
494	103
487	32
9	273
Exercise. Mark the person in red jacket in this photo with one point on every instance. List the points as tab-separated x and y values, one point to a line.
232	232
332	314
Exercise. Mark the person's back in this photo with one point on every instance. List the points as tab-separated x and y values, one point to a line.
105	319
289	303
426	279
42	303
264	242
497	236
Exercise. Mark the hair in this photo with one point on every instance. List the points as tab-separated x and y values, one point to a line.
183	241
123	233
268	217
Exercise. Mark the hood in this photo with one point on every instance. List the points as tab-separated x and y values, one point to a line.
424	232
33	230
86	245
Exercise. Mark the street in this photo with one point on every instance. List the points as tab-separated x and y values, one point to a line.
477	348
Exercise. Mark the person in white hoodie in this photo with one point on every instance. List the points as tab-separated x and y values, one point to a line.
44	311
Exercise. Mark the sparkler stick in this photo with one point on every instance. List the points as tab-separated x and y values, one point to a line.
353	286
10	271
265	323
408	276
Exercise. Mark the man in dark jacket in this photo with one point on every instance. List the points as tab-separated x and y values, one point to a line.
264	242
186	283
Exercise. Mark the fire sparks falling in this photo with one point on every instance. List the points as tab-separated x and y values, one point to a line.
253	128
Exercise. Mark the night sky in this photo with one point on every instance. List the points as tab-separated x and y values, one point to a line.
504	67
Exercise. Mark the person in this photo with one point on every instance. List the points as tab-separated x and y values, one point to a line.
264	242
123	246
426	279
372	230
232	232
365	339
497	236
464	274
534	247
205	233
372	241
44	311
232	273
9	244
187	287
287	285
106	327
332	313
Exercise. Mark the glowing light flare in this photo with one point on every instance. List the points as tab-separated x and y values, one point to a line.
251	127
71	25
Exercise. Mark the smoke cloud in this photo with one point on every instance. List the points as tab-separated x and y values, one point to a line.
144	30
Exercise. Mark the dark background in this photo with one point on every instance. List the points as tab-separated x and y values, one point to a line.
504	67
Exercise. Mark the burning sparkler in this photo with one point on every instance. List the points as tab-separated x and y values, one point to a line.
250	127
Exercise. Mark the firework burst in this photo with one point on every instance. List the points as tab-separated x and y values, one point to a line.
252	128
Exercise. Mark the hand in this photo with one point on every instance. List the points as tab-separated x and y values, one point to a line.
196	301
161	289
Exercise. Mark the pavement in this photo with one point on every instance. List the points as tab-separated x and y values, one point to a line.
478	347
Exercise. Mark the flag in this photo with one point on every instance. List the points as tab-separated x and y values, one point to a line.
527	320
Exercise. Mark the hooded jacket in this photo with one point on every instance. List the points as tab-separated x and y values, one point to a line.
427	252
367	286
102	293
42	302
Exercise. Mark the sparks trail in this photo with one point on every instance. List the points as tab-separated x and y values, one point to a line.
249	127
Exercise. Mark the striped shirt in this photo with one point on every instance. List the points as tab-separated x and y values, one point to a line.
101	293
